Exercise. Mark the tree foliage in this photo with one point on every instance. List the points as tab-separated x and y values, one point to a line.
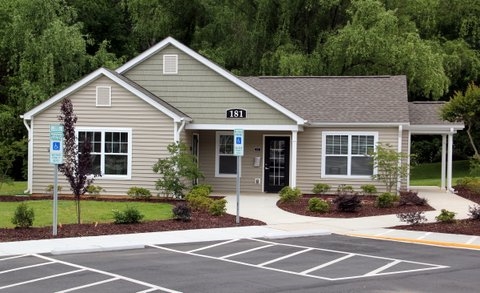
390	166
77	166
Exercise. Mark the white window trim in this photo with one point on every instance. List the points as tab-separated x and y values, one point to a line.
109	96
217	156
102	156
349	133
165	57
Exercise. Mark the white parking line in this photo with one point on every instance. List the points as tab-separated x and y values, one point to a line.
41	279
89	285
246	251
13	257
27	267
306	273
214	245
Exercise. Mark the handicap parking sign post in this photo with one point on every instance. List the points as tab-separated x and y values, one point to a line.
56	158
238	151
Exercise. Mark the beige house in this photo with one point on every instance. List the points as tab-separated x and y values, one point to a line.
298	131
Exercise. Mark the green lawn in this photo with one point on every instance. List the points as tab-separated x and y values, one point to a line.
92	211
429	174
16	188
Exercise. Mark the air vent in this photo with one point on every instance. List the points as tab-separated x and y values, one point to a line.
104	96
170	64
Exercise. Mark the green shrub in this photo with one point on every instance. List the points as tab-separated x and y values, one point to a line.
218	207
49	188
130	215
385	200
321	188
94	189
347	202
181	211
412	218
288	194
471	183
139	193
445	216
318	205
342	189
23	216
368	189
205	187
199	202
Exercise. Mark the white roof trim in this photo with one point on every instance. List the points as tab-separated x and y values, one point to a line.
434	129
193	126
171	41
91	77
359	124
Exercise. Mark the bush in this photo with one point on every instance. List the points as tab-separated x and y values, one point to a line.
139	192
94	189
347	202
203	187
181	211
321	188
130	215
288	194
474	212
198	198
471	183
368	189
218	207
318	205
342	189
411	197
412	218
23	216
385	200
445	216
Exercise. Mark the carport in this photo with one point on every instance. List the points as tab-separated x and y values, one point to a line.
425	120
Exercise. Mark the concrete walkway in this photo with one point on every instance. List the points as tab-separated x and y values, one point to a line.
280	224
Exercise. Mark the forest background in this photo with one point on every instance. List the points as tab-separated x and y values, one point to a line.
46	45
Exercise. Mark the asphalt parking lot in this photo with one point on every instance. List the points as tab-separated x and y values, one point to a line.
331	263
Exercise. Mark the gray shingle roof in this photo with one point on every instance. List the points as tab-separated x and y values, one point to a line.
363	99
427	113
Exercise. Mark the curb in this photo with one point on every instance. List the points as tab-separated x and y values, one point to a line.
295	234
420	241
96	249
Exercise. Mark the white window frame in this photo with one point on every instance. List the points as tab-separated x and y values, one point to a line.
103	130
109	88
217	155
167	59
349	154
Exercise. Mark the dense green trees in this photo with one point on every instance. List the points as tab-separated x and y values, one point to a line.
45	45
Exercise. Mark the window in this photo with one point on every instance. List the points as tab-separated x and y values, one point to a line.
170	64
104	96
346	154
226	162
111	151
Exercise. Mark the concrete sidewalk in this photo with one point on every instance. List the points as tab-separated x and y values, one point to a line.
280	224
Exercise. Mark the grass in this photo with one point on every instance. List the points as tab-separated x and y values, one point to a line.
91	211
429	174
15	188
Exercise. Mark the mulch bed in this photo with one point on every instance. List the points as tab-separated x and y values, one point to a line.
367	209
199	220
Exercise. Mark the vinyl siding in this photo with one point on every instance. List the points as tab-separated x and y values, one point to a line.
309	161
202	93
152	131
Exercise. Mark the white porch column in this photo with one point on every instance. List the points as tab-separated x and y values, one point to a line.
293	160
449	161
444	159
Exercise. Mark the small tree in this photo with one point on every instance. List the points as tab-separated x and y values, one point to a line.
177	170
390	166
77	165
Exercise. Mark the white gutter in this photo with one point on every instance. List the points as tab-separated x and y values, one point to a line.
29	156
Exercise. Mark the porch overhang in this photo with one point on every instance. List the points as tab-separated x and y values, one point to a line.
248	127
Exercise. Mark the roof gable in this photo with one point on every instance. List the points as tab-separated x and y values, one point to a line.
222	72
122	81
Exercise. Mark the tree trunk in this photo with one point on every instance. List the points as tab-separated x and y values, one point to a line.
475	150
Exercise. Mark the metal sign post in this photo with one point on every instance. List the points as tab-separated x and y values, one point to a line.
238	151
56	158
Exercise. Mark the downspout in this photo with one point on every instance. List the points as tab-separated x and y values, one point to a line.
399	150
29	156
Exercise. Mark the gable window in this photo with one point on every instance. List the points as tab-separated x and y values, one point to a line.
225	161
111	151
104	96
346	154
170	64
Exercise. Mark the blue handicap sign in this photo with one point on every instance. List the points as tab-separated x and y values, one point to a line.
56	145
239	140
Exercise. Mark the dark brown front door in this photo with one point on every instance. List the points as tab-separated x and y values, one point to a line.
277	153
